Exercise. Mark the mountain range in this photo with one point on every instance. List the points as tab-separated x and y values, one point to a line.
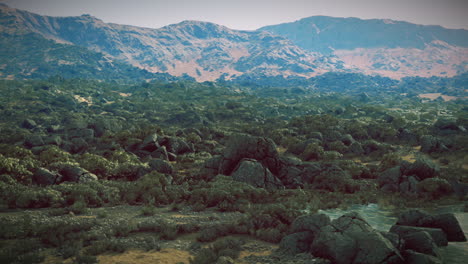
34	46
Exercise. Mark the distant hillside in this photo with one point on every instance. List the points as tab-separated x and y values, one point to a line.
326	34
386	47
32	56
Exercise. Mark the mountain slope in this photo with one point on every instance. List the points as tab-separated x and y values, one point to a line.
386	47
207	51
201	49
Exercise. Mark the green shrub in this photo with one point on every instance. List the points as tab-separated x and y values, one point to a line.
53	154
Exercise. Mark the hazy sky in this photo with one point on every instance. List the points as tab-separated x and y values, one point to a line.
251	14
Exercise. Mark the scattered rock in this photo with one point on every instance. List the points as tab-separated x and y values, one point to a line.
43	176
252	172
435	187
390	176
419	258
34	141
29	124
421	242
296	243
245	146
161	166
439	237
424	168
150	143
350	239
311	223
431	144
449	224
73	173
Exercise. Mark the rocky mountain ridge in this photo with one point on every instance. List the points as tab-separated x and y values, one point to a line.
208	51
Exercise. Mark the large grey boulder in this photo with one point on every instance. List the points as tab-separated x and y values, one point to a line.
423	168
150	143
421	242
161	166
439	237
254	173
245	146
350	239
74	173
431	144
34	141
312	223
420	258
390	176
176	145
296	243
448	223
44	176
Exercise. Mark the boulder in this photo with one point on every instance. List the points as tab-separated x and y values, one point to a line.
395	239
424	168
350	239
150	143
160	153
347	139
242	146
431	144
449	224
310	171
254	173
312	223
435	187
176	145
421	242
161	166
53	140
356	148
412	218
34	141
86	133
29	124
73	173
390	176
296	243
439	237
43	176
420	258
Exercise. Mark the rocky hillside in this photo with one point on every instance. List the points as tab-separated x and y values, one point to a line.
386	47
207	51
203	50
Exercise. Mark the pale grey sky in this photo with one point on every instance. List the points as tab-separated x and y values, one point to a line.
251	14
